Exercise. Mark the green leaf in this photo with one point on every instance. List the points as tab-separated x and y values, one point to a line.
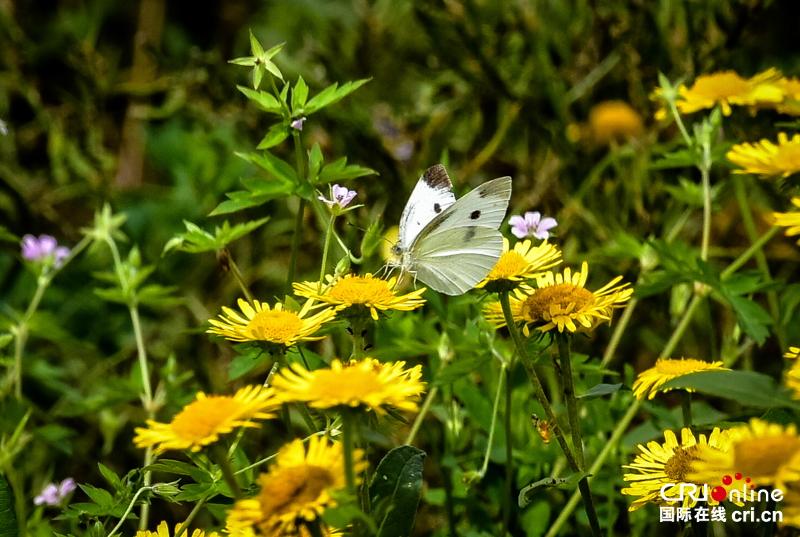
280	169
565	483
314	162
8	515
753	319
275	135
340	171
600	390
746	387
244	363
240	200
180	468
331	94
197	240
110	476
99	496
299	96
263	99
395	490
255	46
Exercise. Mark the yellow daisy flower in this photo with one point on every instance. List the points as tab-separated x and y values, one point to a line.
521	263
561	301
277	325
163	531
670	463
791	96
794	352
360	293
727	88
609	121
792	377
758	450
666	369
202	421
295	490
369	383
790	220
767	159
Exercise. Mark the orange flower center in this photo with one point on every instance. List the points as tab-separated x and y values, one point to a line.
202	418
680	463
720	86
276	326
292	488
560	294
361	290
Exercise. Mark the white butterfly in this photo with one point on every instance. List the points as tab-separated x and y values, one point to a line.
451	245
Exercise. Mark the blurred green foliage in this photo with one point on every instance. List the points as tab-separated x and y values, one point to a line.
490	88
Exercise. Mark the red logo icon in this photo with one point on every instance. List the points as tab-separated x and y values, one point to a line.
720	493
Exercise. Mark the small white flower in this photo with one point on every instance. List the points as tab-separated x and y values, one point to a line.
532	225
341	196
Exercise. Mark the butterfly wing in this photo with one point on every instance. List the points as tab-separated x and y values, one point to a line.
460	246
432	195
453	261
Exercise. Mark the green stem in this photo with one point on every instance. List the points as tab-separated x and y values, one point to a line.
686	408
750	252
298	230
325	252
240	278
705	169
761	258
509	455
495	410
358	326
534	378
147	401
620	327
679	121
426	405
124	516
568	383
349	424
21	332
220	456
192	515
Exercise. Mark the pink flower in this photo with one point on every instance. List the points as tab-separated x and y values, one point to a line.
43	248
54	495
340	195
298	123
532	225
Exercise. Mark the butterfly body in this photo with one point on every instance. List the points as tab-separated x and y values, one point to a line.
451	245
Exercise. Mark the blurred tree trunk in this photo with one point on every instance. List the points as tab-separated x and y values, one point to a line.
145	41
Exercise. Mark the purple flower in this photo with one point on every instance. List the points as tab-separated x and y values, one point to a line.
532	225
43	248
340	195
54	495
298	123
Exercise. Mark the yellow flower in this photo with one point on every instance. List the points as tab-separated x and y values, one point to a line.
163	531
792	378
369	383
790	220
666	369
294	491
277	325
561	301
758	450
791	96
609	121
670	463
767	159
727	88
519	264
361	292
202	421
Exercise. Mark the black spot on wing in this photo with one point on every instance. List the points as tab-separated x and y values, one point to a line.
437	208
436	177
470	233
474	215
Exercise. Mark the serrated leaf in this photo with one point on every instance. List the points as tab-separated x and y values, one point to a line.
275	135
396	489
299	95
8	515
746	387
332	94
280	169
180	468
195	491
753	319
339	170
601	390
